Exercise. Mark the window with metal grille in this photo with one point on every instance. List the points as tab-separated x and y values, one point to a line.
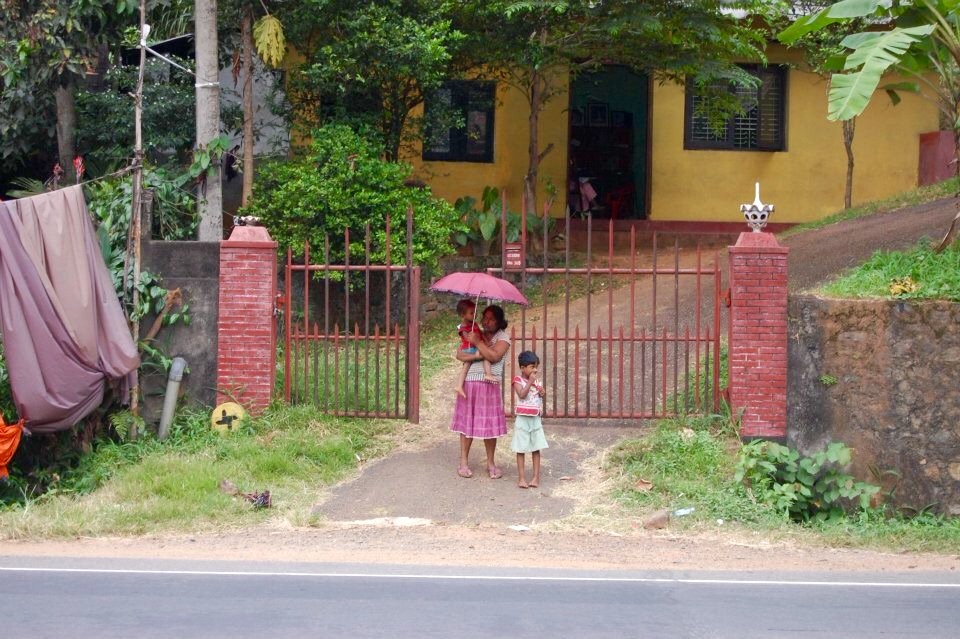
466	109
760	127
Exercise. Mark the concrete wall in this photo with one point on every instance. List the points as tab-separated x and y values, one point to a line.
193	267
895	400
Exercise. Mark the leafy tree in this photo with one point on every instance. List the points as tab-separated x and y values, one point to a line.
822	53
923	40
105	118
368	64
46	48
532	44
344	184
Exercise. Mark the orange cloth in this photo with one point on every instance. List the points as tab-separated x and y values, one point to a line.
9	440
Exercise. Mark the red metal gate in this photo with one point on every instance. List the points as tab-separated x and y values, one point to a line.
363	357
627	335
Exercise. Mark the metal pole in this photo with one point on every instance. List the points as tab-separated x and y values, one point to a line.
137	207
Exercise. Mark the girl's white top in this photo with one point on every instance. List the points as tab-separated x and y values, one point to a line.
534	398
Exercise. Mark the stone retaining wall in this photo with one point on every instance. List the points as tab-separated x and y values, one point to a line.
884	378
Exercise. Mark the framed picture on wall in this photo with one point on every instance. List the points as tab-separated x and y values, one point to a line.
598	114
576	117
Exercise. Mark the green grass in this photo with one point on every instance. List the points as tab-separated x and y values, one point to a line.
150	486
690	461
947	188
915	274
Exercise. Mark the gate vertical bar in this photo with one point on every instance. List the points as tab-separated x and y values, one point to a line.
554	385
643	366
315	357
599	368
716	330
609	317
345	402
413	329
306	321
576	372
336	367
287	312
366	319
633	313
653	332
698	329
386	323
545	279
326	322
663	378
589	299
566	323
676	318
396	368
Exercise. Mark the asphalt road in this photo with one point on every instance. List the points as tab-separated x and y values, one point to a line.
108	598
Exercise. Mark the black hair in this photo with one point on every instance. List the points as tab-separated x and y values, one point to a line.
464	304
499	315
527	357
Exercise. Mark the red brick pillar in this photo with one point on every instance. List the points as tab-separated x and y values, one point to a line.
246	330
758	335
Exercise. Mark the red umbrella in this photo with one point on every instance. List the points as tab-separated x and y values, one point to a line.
480	285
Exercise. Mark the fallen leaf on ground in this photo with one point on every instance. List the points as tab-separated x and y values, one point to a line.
643	485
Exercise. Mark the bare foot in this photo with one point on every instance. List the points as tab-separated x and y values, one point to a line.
535	482
461	393
522	484
491	378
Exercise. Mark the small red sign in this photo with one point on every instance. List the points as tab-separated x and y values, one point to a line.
513	255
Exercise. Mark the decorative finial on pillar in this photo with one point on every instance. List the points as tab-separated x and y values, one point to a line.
756	214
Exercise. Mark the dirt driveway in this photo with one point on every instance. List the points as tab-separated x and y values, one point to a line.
411	507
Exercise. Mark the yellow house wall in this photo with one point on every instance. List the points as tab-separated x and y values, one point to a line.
451	180
805	182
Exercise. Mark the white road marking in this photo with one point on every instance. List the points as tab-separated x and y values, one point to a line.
358	575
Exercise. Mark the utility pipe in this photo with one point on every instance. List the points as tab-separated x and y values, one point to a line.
170	397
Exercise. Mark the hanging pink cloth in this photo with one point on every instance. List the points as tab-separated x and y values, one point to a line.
64	333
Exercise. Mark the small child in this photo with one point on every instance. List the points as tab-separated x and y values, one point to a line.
466	309
528	428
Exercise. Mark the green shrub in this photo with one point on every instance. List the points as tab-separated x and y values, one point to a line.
918	273
343	184
804	488
105	118
174	216
480	225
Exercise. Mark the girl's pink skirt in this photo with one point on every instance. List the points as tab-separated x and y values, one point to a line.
480	414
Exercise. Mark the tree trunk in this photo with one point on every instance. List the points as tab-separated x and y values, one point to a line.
533	147
66	130
210	200
849	128
951	233
246	29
